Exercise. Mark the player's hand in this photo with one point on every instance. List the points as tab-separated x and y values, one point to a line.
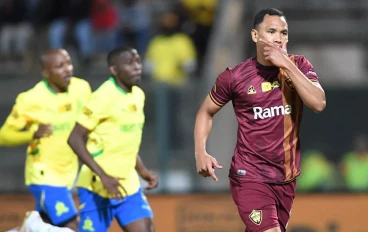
151	179
113	186
276	54
206	165
44	130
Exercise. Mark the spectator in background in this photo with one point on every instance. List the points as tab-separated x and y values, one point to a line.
170	60
15	29
354	166
171	55
104	22
135	19
200	17
69	17
318	174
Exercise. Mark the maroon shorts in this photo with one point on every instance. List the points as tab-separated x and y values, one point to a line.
263	206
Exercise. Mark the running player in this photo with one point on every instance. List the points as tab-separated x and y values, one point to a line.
44	116
108	183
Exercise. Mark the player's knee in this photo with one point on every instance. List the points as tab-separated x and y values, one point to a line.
149	226
143	225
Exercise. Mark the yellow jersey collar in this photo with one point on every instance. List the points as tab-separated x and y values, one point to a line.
112	79
49	87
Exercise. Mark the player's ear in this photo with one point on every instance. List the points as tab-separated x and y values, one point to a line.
113	70
45	73
254	34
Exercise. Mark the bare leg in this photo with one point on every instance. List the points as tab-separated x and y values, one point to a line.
142	225
71	224
276	229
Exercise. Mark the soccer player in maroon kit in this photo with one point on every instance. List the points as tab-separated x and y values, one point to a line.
267	92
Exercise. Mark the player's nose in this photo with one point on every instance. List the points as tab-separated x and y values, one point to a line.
277	39
278	42
137	66
69	69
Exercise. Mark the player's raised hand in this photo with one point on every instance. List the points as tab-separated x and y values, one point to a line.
113	186
44	130
206	166
151	179
276	54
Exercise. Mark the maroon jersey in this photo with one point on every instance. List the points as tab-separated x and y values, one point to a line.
269	112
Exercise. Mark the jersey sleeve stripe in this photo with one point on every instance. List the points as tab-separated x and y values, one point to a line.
214	100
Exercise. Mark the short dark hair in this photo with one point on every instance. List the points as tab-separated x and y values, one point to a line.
258	19
116	52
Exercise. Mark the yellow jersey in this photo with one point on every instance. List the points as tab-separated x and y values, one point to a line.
115	119
168	54
50	160
202	11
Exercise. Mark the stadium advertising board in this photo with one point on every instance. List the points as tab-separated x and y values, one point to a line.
217	213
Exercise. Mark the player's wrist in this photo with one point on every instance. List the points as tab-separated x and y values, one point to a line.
288	66
102	174
200	154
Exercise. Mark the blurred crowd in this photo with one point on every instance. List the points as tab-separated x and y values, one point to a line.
350	173
93	27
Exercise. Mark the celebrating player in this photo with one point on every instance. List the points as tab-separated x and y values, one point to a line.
267	93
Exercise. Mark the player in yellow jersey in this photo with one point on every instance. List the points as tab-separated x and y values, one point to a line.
43	117
108	182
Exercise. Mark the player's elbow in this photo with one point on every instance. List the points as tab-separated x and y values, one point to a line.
319	107
72	140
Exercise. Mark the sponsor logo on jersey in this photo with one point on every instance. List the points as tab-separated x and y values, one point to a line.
65	107
251	90
263	113
241	172
275	85
266	86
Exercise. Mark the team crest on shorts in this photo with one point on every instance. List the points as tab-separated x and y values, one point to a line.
256	217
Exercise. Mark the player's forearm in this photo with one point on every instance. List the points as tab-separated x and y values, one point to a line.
139	166
202	130
312	95
78	145
11	137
